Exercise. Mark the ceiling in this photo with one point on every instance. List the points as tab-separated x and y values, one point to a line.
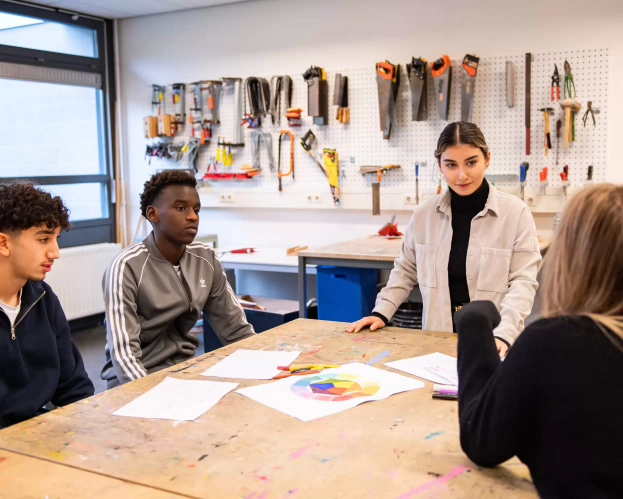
119	9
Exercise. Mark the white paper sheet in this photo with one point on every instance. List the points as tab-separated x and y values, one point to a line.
252	364
436	367
308	397
177	399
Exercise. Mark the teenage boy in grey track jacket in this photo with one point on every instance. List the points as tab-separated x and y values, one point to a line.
156	290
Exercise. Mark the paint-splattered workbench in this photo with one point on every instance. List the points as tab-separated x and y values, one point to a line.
29	477
405	446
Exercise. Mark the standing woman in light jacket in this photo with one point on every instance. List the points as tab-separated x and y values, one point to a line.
472	242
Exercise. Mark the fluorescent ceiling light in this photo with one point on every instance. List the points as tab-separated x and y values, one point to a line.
8	21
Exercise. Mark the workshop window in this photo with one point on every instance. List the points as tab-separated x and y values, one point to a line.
56	86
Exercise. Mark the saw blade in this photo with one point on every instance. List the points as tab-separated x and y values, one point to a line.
417	82
470	67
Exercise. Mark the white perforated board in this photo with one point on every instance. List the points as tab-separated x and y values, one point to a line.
413	142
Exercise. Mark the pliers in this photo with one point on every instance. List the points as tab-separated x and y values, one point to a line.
589	109
569	84
555	84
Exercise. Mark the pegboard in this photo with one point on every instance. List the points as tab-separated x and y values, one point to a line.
361	144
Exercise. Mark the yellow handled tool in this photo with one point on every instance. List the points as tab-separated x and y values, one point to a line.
331	164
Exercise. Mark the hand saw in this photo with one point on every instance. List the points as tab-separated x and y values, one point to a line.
388	81
417	72
470	65
442	78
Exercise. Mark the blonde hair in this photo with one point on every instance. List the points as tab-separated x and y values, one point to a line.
584	266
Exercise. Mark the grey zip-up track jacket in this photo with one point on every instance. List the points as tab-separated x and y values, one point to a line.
150	310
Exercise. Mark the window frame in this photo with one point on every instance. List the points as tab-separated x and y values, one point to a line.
98	230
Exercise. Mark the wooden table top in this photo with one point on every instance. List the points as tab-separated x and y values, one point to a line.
368	248
29	477
405	446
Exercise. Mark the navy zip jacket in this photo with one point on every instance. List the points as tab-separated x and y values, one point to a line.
41	364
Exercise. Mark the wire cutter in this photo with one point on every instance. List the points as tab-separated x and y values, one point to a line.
589	109
555	84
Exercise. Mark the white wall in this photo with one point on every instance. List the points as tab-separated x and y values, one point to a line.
287	36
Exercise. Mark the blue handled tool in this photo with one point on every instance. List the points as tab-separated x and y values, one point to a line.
417	183
523	175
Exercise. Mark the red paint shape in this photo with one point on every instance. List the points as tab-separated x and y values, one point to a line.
3	459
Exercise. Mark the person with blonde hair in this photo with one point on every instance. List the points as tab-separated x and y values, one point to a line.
556	401
471	243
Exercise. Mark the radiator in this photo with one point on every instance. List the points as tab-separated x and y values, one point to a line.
77	278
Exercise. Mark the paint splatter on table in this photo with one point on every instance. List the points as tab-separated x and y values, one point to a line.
405	446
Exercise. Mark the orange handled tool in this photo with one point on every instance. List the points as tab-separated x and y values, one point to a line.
291	172
386	70
440	66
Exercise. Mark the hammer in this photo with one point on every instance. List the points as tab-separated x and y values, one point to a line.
548	141
569	105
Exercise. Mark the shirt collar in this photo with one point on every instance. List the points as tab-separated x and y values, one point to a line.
492	204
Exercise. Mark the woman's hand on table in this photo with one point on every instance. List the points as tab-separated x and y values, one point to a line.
372	322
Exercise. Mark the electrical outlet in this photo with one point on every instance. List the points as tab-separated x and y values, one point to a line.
352	159
314	199
410	199
227	198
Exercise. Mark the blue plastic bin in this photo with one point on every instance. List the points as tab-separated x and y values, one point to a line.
345	294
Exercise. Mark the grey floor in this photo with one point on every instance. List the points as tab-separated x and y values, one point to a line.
91	343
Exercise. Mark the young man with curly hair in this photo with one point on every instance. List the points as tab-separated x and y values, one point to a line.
156	290
38	361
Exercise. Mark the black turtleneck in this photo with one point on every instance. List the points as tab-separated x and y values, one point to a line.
464	209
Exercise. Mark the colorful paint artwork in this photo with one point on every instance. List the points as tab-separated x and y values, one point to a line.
335	387
345	387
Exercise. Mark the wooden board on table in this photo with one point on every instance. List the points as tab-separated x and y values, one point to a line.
369	248
29	477
406	445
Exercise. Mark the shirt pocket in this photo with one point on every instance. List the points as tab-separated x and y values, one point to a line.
425	260
495	266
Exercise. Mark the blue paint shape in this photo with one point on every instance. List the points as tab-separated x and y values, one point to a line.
379	358
325	460
433	435
322	386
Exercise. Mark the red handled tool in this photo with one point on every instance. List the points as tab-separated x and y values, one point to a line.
555	84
